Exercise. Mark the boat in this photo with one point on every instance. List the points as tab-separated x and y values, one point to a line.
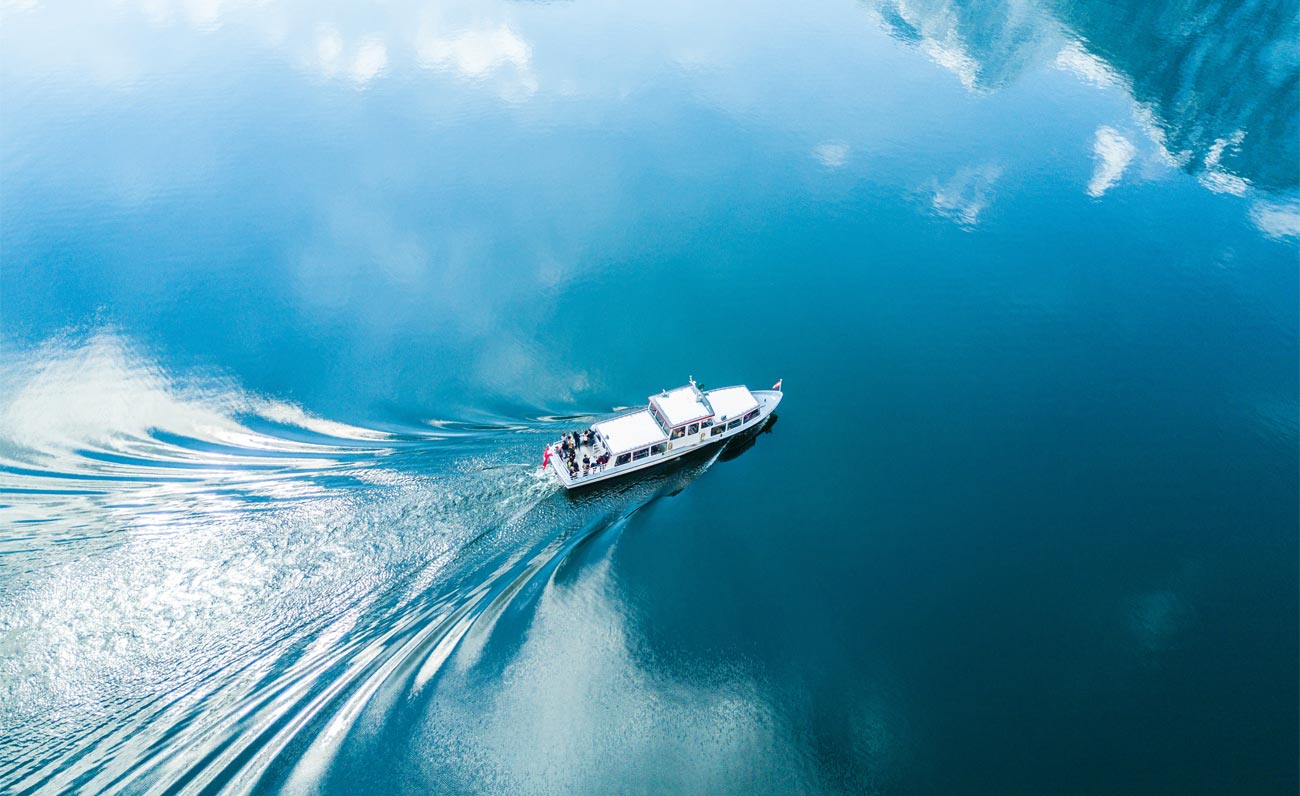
676	422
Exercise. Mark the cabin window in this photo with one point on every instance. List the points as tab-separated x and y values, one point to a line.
694	427
623	458
641	454
733	424
716	431
679	432
660	448
753	413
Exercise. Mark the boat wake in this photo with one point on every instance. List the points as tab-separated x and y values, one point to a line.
203	590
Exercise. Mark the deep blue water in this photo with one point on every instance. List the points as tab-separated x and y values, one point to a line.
292	297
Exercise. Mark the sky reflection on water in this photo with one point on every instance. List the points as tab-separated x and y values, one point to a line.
294	293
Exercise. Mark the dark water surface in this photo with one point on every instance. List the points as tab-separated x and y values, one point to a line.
293	295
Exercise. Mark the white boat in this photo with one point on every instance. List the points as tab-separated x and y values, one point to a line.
675	423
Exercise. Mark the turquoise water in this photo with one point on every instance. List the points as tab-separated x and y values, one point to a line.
293	296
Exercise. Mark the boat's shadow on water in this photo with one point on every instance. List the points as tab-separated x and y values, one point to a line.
675	475
741	444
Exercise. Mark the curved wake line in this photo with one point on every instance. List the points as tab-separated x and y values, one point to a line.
196	601
390	662
93	434
228	730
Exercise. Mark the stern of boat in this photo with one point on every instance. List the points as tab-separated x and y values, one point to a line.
561	474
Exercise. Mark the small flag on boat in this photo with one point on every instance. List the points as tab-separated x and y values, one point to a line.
777	386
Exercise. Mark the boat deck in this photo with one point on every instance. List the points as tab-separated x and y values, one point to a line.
592	451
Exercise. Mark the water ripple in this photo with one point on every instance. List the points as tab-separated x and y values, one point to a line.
210	592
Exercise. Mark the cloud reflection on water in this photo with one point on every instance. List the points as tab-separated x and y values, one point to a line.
576	712
1219	115
964	197
467	225
1114	153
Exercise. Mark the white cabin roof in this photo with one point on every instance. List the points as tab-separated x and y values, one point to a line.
731	402
631	432
681	405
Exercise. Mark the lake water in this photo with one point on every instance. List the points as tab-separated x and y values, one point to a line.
293	296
